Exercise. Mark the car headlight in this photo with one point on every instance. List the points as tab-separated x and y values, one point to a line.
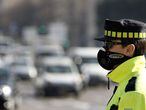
40	82
6	91
32	73
77	81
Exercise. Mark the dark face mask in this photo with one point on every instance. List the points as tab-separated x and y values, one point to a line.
109	60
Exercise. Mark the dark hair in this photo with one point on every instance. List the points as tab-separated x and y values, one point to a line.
140	46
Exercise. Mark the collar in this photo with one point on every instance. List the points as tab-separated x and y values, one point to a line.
127	69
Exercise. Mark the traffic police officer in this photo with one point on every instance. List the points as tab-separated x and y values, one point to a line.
123	55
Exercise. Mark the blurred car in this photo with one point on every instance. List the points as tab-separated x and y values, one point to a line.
6	47
49	50
6	43
23	51
83	55
59	74
94	73
23	68
43	51
8	90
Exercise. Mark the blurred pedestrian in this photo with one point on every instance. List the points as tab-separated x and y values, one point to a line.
123	55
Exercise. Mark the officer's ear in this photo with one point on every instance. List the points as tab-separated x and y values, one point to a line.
129	50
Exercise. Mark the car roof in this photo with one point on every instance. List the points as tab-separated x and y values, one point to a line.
48	47
84	51
57	61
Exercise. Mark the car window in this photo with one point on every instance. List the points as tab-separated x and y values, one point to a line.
89	60
43	54
4	75
19	63
58	69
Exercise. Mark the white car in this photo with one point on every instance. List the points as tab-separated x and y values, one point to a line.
94	73
44	51
24	68
48	50
83	55
59	74
86	60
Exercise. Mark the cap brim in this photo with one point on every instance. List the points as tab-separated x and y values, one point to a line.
100	39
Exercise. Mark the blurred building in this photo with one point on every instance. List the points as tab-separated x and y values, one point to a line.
8	4
79	15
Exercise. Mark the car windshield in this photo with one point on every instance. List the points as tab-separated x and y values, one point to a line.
58	69
44	54
4	76
89	60
3	44
19	64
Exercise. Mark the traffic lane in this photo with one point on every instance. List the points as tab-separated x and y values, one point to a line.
94	98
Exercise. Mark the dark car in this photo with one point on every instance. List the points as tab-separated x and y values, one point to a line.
8	90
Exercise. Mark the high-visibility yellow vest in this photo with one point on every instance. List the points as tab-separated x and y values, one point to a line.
131	91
